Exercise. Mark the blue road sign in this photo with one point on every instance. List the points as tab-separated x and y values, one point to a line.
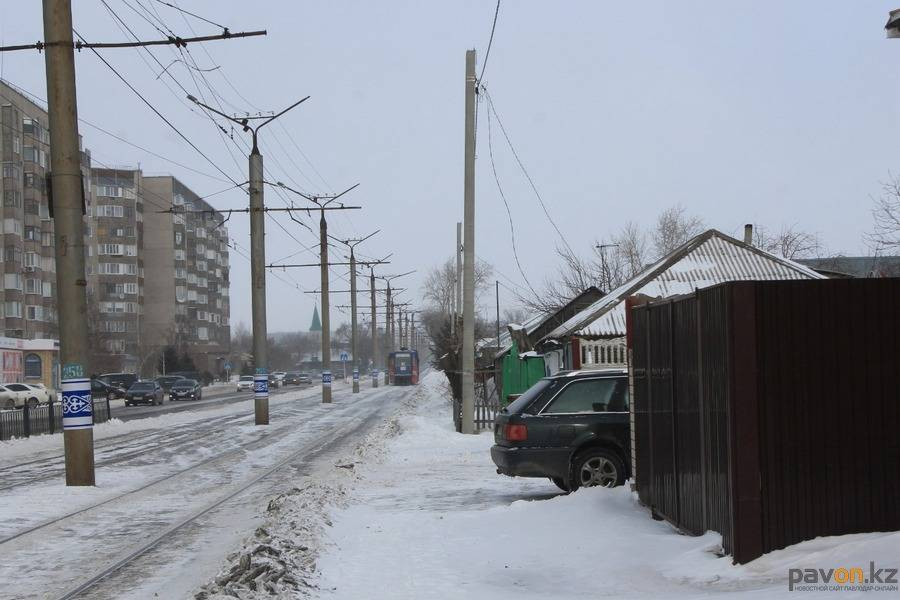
344	356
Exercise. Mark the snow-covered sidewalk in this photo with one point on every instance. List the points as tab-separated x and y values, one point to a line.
427	517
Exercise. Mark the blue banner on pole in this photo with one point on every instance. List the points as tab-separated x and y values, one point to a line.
355	374
326	378
77	404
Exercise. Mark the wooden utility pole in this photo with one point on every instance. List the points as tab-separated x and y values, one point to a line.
389	330
353	336
68	226
468	342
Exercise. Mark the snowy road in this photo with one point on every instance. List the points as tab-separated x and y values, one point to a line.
173	493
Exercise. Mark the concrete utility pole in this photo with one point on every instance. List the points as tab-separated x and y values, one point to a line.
353	336
374	330
326	319
257	258
68	226
258	290
468	342
389	330
457	305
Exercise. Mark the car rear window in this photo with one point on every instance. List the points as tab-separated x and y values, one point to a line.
608	394
521	404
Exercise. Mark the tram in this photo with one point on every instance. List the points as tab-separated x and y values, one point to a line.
403	367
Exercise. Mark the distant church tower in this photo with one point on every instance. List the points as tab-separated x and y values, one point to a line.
315	328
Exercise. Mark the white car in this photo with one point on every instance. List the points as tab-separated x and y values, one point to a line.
245	383
16	395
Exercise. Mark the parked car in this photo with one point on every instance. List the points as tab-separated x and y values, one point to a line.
101	389
304	378
16	395
166	381
279	375
51	394
245	383
145	392
186	389
572	427
120	380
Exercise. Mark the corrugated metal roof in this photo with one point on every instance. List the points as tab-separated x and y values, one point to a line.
706	260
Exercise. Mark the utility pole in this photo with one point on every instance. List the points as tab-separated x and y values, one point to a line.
497	294
353	340
457	306
257	259
68	226
468	342
326	320
374	330
389	330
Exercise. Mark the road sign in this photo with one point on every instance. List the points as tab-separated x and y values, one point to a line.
227	366
344	356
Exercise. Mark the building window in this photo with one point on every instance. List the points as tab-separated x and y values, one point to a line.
108	210
32	259
13	309
109	249
131	288
34	313
33	366
46	239
202	333
32	286
12	281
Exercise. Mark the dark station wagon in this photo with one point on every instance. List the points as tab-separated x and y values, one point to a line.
572	427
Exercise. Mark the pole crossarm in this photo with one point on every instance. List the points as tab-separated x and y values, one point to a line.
331	264
178	42
357	291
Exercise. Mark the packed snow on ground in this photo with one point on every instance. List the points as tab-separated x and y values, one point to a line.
429	518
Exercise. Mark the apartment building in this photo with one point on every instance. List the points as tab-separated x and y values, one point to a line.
27	297
186	293
115	268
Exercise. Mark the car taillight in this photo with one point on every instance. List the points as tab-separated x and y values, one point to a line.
515	433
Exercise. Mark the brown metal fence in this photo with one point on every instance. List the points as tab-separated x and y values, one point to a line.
768	411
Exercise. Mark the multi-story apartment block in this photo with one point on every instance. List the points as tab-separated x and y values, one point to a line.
186	295
115	269
27	297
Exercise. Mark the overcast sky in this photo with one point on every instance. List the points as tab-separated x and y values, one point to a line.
755	111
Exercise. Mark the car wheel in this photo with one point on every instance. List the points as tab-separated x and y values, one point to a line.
127	403
596	467
560	483
9	404
111	396
33	403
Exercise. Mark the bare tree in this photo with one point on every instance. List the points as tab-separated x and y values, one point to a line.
633	248
885	234
788	242
516	315
673	228
440	284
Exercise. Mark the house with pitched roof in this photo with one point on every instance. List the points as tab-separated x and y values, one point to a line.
595	336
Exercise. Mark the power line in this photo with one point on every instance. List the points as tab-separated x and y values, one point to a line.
187	12
490	41
525	171
158	113
512	229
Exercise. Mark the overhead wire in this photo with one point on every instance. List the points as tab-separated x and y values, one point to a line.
525	171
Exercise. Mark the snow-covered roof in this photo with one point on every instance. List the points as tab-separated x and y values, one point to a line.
706	260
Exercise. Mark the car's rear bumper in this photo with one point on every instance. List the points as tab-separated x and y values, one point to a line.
531	462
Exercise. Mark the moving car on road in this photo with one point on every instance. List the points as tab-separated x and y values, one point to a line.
186	389
304	377
16	395
119	380
245	383
102	390
166	381
291	379
145	392
572	427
